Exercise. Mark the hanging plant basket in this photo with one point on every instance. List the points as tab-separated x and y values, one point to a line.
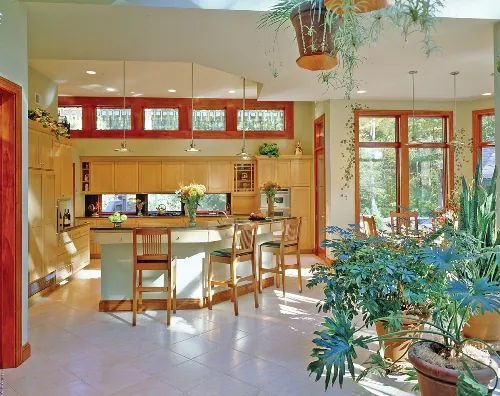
315	38
359	6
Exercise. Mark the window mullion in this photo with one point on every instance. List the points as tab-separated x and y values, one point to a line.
404	163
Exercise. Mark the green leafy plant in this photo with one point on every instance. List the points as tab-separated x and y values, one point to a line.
45	118
337	342
377	276
352	30
269	149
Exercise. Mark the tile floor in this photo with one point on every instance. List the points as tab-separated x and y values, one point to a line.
77	351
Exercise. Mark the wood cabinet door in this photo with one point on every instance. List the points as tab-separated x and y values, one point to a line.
35	226
219	177
300	173
35	253
46	151
34	198
283	173
150	177
57	169
102	177
196	172
306	234
266	170
49	220
172	176
66	164
126	177
33	149
243	205
301	201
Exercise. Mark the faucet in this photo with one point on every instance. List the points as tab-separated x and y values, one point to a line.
224	213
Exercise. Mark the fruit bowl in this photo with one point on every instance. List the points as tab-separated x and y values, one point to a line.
256	216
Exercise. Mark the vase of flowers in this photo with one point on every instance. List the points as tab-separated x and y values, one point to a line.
139	204
270	188
191	196
117	219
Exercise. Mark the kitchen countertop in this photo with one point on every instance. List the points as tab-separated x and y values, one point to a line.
161	217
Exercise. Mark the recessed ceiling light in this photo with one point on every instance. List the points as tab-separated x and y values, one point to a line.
110	89
487	94
231	91
91	72
361	91
172	90
132	92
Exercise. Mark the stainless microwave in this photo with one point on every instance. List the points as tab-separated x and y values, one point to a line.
281	199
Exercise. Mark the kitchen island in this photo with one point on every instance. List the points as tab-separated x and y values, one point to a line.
191	246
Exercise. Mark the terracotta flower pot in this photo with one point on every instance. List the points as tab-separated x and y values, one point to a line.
434	380
396	350
314	38
486	327
363	5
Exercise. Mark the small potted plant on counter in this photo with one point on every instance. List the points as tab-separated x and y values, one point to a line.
117	219
446	363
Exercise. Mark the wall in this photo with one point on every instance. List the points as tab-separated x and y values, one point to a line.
496	57
341	209
14	67
47	88
303	131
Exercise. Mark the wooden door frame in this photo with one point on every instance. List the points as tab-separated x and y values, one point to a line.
12	352
318	124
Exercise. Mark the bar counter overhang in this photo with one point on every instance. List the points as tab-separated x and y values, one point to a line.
191	246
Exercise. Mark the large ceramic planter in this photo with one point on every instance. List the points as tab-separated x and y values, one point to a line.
398	349
314	38
362	5
434	380
486	327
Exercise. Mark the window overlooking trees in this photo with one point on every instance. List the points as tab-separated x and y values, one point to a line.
171	201
402	164
262	120
213	202
484	142
161	119
123	203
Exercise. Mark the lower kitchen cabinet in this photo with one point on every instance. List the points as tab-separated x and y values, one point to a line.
73	251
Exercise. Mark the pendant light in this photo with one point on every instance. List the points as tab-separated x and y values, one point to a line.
123	146
192	147
412	74
455	74
243	155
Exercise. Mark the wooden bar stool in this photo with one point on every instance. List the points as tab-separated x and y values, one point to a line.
154	258
288	243
369	226
404	222
243	249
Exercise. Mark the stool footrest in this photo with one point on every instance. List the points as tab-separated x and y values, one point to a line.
151	289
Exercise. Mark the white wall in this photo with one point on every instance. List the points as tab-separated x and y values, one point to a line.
341	209
14	67
47	89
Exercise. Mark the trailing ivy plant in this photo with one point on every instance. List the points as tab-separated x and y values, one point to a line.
348	147
462	145
353	30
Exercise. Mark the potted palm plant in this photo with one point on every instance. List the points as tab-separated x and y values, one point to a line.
444	360
378	277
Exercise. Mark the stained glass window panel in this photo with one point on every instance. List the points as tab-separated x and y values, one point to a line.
166	119
73	115
209	120
262	120
113	118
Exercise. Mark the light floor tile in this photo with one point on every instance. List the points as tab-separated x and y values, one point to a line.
257	372
150	387
223	360
222	384
75	388
193	347
162	359
186	375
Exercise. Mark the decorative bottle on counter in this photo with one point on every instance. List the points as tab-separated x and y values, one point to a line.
65	219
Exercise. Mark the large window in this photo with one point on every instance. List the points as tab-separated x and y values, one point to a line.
171	202
402	164
484	142
73	115
212	202
124	203
113	118
161	119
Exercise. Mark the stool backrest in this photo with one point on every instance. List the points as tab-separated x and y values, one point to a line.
404	221
153	244
369	225
244	239
291	231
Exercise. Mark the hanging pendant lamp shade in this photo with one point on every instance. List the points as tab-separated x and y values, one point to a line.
123	145
192	146
243	155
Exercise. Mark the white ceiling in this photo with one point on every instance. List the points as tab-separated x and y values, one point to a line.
228	41
148	79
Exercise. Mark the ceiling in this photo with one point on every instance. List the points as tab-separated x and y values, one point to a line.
148	79
226	45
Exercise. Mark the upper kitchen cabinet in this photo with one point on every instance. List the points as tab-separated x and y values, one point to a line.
45	153
196	172
33	152
102	177
66	172
277	170
300	171
40	150
150	179
172	176
266	170
283	173
126	177
219	177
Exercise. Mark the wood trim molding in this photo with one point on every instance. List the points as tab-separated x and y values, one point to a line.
11	348
137	106
182	303
25	352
